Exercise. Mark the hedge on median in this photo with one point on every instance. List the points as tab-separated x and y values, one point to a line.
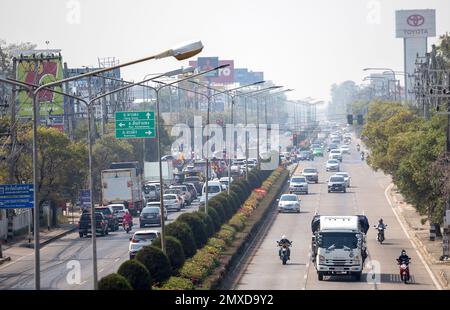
157	263
136	274
114	282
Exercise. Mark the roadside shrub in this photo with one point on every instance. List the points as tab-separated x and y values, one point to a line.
193	271
239	191
183	233
136	274
114	282
215	218
217	243
226	234
253	180
178	283
156	262
237	221
197	226
216	205
174	251
235	201
227	208
209	224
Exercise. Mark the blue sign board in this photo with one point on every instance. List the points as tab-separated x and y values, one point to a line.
15	196
85	198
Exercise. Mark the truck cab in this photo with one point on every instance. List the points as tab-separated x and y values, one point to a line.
339	245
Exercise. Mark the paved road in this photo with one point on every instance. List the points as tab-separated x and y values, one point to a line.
366	196
59	258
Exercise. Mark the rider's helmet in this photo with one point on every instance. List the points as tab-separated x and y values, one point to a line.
283	237
380	221
403	252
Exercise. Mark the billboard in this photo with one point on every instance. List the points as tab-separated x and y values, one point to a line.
40	71
208	63
224	75
415	23
243	76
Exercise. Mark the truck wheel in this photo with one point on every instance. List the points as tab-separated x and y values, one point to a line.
345	190
103	233
81	235
317	181
320	276
358	276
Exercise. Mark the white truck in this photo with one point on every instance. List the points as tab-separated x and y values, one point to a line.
339	245
151	171
122	184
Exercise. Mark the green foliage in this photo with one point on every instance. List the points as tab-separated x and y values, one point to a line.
227	234
136	274
178	283
156	262
237	221
174	251
114	282
208	221
197	226
184	234
215	218
406	146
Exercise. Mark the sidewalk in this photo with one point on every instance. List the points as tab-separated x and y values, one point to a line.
430	250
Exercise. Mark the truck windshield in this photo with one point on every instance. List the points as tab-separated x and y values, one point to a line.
339	240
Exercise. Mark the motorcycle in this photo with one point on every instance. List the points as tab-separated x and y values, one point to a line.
126	227
284	252
404	270
362	156
380	236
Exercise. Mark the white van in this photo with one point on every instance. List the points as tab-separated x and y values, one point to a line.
214	188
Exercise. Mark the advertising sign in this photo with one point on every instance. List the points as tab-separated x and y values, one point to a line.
224	75
208	63
243	76
40	71
415	23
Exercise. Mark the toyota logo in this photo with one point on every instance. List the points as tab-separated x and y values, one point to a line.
415	20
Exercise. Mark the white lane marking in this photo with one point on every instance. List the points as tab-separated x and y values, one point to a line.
101	270
430	273
305	276
117	259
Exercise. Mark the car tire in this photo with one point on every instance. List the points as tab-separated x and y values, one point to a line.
107	232
141	226
317	181
81	235
320	276
329	191
345	190
103	233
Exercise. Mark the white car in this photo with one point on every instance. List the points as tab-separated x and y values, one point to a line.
345	149
288	203
346	176
214	188
333	165
140	239
298	184
172	202
335	154
225	181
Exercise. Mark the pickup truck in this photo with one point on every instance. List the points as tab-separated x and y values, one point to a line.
84	224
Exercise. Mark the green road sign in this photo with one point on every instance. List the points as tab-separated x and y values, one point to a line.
131	125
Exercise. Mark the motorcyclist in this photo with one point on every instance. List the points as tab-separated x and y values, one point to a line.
284	242
362	155
403	258
127	218
381	224
358	147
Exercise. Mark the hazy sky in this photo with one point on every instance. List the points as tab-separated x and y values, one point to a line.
302	44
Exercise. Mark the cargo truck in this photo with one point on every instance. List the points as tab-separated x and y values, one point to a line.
339	245
122	184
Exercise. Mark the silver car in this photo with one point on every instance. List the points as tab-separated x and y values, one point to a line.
172	202
140	239
333	165
346	176
288	203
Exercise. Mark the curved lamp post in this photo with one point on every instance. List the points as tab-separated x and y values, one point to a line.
180	53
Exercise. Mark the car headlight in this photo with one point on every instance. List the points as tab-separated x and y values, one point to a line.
321	259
